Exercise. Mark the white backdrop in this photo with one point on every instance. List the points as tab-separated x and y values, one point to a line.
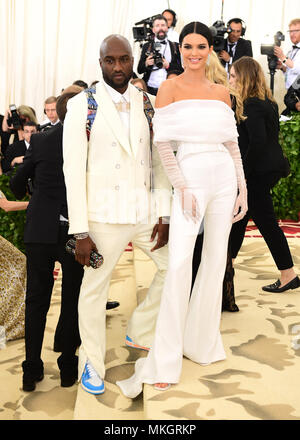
45	45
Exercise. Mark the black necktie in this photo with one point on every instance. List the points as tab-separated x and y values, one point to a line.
163	42
230	50
296	47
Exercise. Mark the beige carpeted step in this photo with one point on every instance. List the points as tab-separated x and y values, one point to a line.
259	379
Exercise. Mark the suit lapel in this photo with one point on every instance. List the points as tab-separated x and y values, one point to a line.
23	148
237	50
136	117
108	110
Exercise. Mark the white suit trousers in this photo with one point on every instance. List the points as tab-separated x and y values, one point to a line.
192	327
111	240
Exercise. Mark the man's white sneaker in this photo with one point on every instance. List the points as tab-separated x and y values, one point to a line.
91	381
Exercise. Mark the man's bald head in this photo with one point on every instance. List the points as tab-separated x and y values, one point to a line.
114	40
116	62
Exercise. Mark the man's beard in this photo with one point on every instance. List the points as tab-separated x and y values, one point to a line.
161	36
117	85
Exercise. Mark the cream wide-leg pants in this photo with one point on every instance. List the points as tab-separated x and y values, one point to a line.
111	240
192	327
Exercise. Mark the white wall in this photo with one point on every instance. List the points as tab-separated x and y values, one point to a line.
47	44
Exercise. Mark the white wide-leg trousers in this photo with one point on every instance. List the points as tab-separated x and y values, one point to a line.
185	326
111	240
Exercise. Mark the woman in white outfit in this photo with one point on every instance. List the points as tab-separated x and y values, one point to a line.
194	115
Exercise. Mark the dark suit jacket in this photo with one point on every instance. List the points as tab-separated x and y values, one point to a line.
4	137
292	97
258	138
243	49
16	149
43	163
175	63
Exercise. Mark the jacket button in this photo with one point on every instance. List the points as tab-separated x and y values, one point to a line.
114	144
142	162
117	187
118	166
141	140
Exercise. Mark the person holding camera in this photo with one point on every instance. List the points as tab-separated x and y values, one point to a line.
15	118
15	152
290	64
159	56
235	46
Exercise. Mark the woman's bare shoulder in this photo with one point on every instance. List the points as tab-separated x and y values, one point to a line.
166	93
221	93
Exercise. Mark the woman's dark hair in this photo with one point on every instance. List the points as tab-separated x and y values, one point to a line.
195	27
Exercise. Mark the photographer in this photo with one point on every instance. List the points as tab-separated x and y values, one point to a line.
290	64
15	152
235	46
15	118
156	62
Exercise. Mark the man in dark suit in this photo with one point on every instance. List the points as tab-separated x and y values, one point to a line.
235	46
4	138
155	74
45	236
292	98
15	152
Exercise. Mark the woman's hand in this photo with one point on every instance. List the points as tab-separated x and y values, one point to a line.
240	203
189	204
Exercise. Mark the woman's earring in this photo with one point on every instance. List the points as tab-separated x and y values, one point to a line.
207	60
182	61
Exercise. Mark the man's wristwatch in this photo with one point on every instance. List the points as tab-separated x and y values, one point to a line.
81	236
284	61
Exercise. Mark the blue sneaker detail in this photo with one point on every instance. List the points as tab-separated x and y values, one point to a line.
129	342
90	380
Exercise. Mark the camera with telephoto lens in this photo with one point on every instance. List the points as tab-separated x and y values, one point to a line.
156	55
142	31
268	49
218	30
14	120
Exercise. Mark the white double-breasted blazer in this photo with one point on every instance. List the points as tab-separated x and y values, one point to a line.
108	178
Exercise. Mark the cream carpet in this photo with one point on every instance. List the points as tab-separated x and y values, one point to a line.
259	380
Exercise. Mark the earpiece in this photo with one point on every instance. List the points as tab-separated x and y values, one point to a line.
238	20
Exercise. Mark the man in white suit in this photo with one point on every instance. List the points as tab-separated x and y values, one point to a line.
117	192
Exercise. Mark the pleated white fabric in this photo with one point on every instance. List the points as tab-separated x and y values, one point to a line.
187	326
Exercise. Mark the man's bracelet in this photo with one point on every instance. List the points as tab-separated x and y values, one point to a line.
81	236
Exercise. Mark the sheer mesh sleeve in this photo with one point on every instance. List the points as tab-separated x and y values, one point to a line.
233	148
241	203
170	165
